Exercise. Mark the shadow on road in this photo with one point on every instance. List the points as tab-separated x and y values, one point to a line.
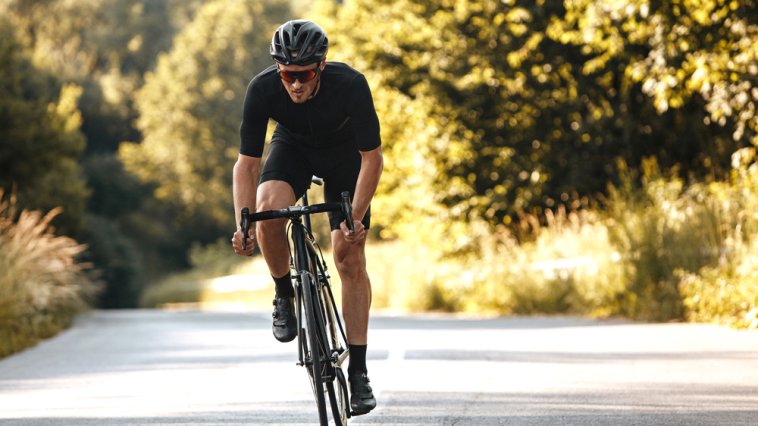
622	407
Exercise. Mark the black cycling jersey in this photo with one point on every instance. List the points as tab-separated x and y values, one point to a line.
322	136
341	111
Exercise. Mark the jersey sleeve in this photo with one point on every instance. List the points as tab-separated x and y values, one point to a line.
363	114
254	123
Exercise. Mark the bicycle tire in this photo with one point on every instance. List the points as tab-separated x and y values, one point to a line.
315	370
327	343
320	359
344	404
335	342
336	389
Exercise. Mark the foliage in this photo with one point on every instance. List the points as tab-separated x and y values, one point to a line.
104	46
492	110
41	141
677	49
570	267
190	107
494	114
118	260
726	291
515	110
659	252
661	229
195	286
124	239
43	285
107	47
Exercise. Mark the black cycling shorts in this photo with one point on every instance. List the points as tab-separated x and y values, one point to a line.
295	163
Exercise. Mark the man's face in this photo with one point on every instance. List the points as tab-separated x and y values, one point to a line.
298	89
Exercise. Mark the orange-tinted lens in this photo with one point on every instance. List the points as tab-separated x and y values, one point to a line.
301	76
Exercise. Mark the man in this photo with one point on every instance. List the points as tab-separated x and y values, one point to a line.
327	126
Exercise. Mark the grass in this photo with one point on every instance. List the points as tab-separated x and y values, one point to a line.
220	280
43	285
653	256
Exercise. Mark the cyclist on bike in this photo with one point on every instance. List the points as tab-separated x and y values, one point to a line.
326	125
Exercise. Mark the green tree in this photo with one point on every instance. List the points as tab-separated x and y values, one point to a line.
678	50
521	113
190	110
105	46
39	130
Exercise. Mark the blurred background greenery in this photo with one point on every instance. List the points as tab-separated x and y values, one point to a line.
586	157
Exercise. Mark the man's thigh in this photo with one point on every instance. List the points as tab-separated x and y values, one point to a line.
344	177
285	163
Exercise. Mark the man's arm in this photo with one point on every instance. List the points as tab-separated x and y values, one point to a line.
372	164
245	183
244	187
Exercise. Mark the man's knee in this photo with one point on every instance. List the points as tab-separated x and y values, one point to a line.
273	195
270	228
349	259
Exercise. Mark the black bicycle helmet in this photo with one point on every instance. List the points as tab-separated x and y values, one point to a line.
299	42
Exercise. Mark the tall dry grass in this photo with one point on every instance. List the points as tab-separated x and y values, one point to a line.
42	284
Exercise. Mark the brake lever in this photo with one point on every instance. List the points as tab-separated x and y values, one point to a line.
245	225
347	211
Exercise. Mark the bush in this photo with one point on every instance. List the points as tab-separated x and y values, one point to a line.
116	257
568	265
657	251
727	290
727	293
193	286
42	286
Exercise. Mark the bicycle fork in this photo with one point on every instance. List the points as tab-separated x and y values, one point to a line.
303	276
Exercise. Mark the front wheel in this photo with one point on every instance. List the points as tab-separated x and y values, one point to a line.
337	389
314	362
338	398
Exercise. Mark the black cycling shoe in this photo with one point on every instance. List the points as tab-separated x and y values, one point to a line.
361	396
285	322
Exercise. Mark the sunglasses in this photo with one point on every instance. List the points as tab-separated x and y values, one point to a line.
301	76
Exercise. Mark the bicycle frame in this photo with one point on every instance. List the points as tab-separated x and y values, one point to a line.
323	281
322	335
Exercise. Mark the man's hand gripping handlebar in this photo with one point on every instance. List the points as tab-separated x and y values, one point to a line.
245	225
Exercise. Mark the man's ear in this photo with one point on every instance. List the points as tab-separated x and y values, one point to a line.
323	64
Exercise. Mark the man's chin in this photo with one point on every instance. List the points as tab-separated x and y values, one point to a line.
298	98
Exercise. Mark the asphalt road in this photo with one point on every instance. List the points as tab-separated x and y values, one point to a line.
202	368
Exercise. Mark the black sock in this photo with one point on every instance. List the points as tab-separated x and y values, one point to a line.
357	360
284	286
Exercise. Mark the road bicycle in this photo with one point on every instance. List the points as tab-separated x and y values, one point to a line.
322	342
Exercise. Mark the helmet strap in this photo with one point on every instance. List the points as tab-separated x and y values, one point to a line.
315	91
318	80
